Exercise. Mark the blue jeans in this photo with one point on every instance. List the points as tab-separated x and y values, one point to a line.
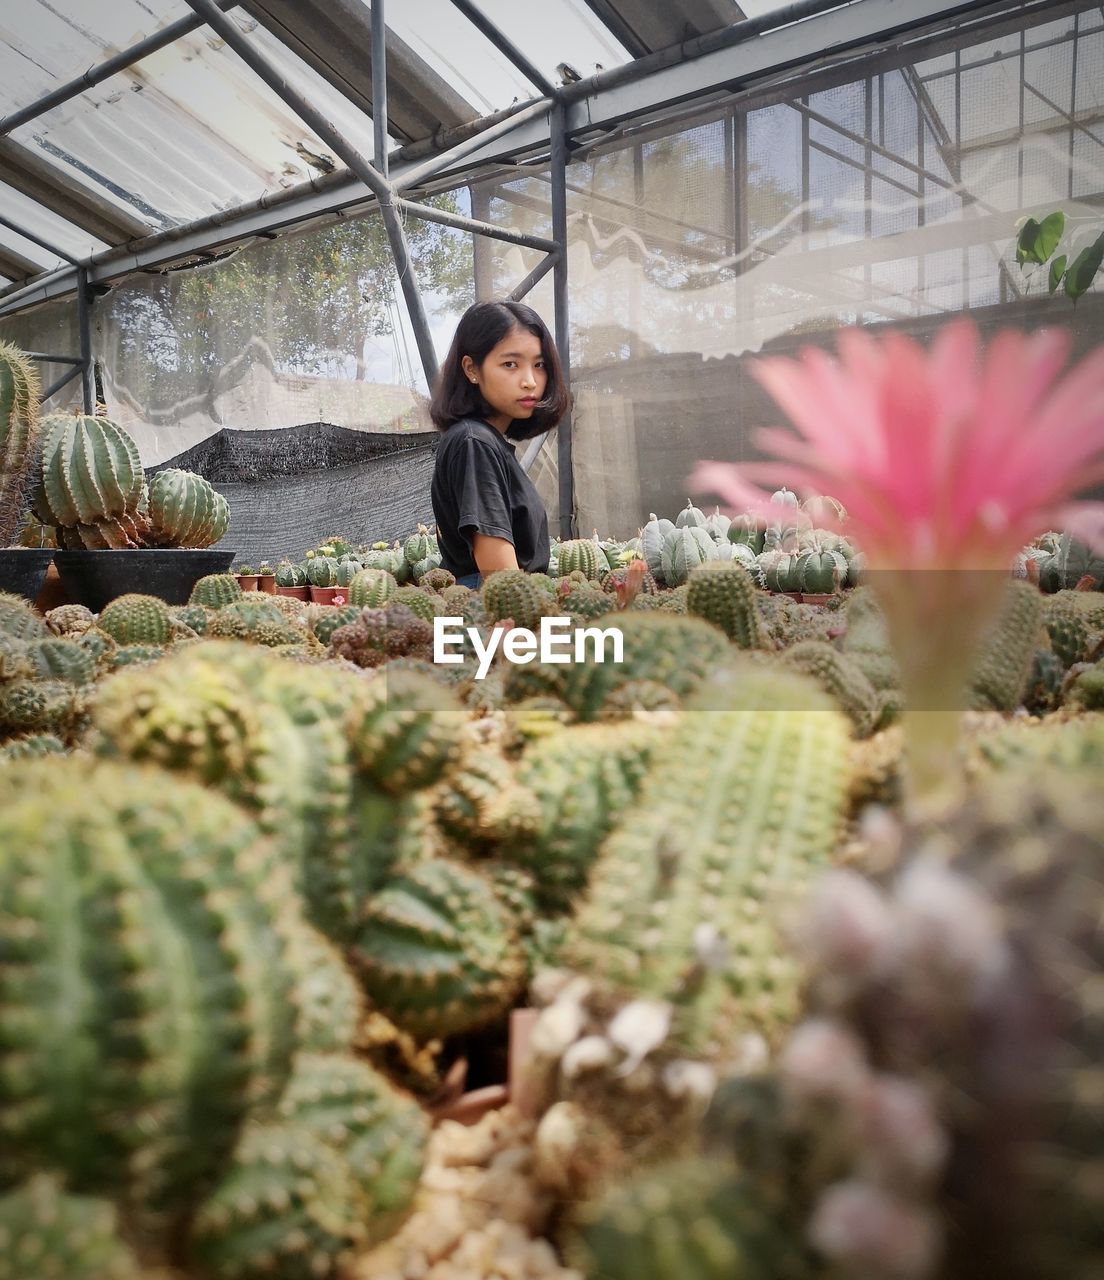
473	580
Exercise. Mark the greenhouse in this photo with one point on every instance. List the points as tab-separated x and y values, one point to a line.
551	640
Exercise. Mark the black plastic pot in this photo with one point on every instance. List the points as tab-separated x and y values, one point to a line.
23	570
92	578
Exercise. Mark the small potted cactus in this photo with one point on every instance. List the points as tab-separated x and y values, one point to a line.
266	578
247	577
291	580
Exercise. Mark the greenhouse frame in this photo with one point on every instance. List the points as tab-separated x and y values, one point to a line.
829	163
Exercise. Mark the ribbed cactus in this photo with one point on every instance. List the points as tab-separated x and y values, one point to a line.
255	619
435	578
726	596
437	952
585	779
583	604
583	555
372	588
480	802
92	487
322	571
1004	664
137	619
328	1002
379	634
509	593
327	620
62	660
419	545
19	388
185	511
744	805
684	548
840	676
46	1233
426	605
41	706
31	746
866	640
216	589
141	925
381	1132
1069	626
404	730
70	619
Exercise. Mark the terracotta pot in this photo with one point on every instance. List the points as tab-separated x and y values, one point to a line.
247	581
330	595
815	598
52	592
296	593
266	582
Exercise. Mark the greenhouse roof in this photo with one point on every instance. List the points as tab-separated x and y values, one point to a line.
132	134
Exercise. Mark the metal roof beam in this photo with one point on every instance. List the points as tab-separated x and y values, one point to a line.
34	238
14	264
33	175
504	45
643	26
334	37
105	70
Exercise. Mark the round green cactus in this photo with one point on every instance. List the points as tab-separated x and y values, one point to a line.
510	593
726	596
216	590
419	546
583	555
322	571
137	619
256	619
145	998
18	620
185	511
62	660
843	678
437	952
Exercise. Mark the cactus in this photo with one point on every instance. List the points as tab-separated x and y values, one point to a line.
91	487
844	679
381	1133
41	706
327	620
480	802
290	575
726	596
216	590
171	931
638	695
195	617
510	593
437	952
404	730
1002	670
62	660
434	578
584	605
584	779
1087	689
70	619
290	1206
427	605
19	389
46	1233
18	620
821	570
419	545
866	641
31	746
137	619
1074	745
372	588
1069	627
185	511
256	619
683	549
742	807
130	655
583	555
322	571
379	634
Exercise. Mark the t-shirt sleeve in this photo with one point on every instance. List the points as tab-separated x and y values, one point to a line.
482	490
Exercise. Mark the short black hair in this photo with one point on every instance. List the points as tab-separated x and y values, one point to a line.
482	327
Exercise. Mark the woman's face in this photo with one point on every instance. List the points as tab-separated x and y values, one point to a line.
512	378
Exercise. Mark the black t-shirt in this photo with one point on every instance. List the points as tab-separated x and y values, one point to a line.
479	487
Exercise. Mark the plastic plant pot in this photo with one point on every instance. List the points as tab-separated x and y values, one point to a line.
296	593
329	595
93	578
23	570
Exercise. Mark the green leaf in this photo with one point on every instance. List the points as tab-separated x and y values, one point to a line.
1038	240
1025	242
1057	268
1085	266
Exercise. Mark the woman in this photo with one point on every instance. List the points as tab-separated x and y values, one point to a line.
501	382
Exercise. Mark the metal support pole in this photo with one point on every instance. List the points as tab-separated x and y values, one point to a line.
534	277
379	85
84	320
504	45
63	381
366	172
36	239
482	260
446	219
39	355
563	335
106	69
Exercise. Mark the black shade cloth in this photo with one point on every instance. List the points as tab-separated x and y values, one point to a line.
289	489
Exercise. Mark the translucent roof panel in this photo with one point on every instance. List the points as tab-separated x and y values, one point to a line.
190	129
549	34
28	213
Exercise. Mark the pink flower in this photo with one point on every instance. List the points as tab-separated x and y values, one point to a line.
946	459
338	598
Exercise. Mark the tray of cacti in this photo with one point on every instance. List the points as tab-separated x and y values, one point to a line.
23	562
116	533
